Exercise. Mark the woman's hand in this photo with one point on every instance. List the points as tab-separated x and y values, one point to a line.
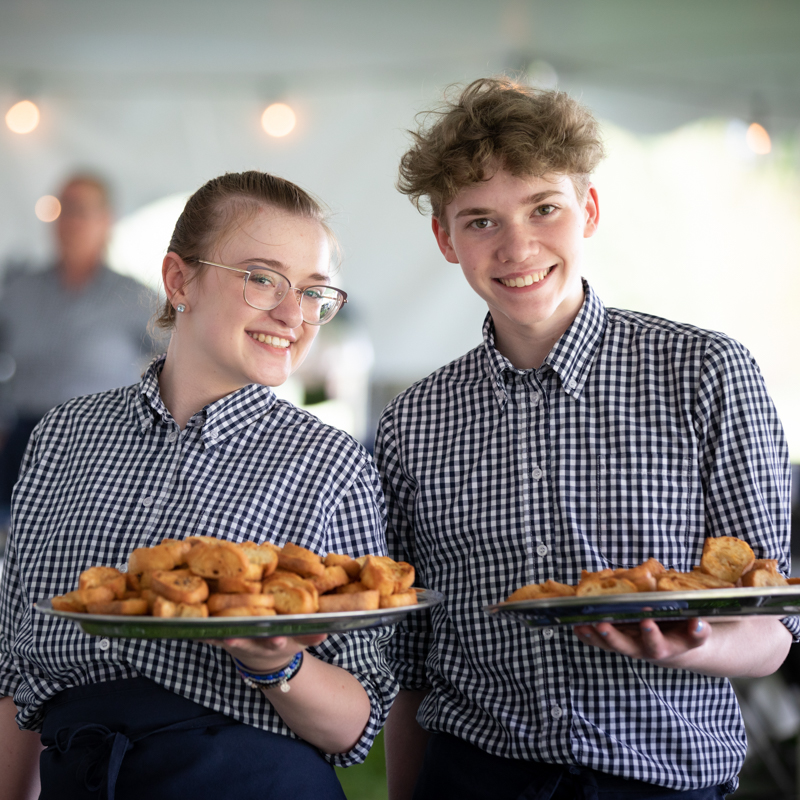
326	705
268	654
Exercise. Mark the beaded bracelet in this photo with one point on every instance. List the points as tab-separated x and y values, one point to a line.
280	678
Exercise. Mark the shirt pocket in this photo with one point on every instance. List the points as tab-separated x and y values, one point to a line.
647	506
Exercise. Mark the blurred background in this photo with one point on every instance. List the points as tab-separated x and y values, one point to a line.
699	195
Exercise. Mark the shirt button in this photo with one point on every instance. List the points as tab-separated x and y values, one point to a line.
572	383
171	437
537	473
548	633
556	712
541	550
535	398
122	567
147	502
104	644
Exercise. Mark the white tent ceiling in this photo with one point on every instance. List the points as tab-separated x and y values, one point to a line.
164	94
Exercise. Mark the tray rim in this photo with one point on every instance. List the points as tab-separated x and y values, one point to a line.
698	603
329	622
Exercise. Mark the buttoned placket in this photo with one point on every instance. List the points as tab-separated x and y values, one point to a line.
534	387
162	480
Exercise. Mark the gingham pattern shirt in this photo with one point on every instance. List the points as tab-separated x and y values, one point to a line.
110	472
637	438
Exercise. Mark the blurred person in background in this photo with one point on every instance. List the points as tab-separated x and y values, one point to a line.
75	328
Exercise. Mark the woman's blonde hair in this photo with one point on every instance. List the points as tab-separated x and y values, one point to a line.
496	122
225	203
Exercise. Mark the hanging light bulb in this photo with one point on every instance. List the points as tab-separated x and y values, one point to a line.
47	208
278	119
22	117
758	139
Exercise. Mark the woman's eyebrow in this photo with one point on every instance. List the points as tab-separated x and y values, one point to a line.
279	266
267	262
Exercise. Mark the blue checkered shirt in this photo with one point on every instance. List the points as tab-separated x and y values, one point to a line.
637	438
106	473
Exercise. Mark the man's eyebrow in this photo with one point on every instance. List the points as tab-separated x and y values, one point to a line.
532	200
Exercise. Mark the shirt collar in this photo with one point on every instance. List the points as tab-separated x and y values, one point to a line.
572	355
218	420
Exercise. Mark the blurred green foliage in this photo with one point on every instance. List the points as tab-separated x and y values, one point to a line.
366	781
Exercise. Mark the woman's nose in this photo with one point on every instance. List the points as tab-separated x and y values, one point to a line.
288	310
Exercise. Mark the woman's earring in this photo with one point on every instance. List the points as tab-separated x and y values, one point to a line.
180	308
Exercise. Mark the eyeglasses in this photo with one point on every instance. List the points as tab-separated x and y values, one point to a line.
266	289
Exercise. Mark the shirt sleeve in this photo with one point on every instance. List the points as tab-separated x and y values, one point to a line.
408	648
357	528
12	598
744	459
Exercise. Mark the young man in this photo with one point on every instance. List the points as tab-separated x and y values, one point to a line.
574	437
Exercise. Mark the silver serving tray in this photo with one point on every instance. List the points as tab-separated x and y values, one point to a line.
781	601
141	627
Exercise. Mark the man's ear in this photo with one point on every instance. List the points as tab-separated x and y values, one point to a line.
444	241
175	274
591	208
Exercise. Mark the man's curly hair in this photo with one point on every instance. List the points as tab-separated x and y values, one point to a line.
497	123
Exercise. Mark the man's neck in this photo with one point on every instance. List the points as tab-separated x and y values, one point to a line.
527	348
75	274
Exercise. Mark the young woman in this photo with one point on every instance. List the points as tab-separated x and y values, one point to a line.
200	447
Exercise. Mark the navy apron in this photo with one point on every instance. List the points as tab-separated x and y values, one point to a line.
132	739
455	768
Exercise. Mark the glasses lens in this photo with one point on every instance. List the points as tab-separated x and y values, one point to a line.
319	304
265	289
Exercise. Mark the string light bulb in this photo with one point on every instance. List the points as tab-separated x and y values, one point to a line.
47	208
758	139
22	117
278	119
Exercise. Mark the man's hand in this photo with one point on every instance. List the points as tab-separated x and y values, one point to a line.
749	646
664	645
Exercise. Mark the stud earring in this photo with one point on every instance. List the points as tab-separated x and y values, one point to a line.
180	308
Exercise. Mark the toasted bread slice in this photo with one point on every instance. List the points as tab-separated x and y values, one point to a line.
539	591
265	555
71	601
354	601
223	559
282	576
406	598
352	587
764	577
238	586
386	576
146	559
103	576
301	561
644	576
590	587
333	578
348	564
245	611
292	599
672	581
167	608
179	548
135	607
219	601
97	594
726	558
179	586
